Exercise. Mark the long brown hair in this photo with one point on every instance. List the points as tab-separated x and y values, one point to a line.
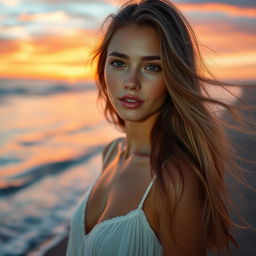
187	129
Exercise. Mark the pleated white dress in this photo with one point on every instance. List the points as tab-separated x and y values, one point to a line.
125	235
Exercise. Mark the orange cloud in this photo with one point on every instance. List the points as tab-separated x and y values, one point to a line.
229	53
10	2
238	65
221	37
59	17
65	57
62	57
14	31
219	7
8	47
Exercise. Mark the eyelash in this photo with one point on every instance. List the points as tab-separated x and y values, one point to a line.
115	61
159	68
120	67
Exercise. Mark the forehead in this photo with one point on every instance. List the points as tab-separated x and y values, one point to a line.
135	40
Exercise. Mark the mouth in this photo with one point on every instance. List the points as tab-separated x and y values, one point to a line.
131	102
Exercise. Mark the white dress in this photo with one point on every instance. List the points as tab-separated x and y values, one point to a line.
125	235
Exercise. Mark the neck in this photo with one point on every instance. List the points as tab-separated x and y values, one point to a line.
138	137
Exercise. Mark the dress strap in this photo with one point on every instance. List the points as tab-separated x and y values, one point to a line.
146	193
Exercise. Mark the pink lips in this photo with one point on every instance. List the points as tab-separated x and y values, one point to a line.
130	101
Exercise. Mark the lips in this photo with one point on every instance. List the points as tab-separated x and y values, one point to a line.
130	101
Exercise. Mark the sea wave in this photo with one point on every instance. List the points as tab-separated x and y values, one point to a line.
24	179
34	218
42	90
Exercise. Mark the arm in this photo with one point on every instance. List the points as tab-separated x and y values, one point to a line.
187	229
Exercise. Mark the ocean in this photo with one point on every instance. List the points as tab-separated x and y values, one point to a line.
51	138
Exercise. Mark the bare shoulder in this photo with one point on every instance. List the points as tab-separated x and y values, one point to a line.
186	237
109	148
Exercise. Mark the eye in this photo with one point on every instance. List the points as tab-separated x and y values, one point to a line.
117	64
153	67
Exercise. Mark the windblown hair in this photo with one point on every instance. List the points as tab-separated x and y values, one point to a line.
188	129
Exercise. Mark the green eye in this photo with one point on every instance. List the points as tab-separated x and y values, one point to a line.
154	68
117	64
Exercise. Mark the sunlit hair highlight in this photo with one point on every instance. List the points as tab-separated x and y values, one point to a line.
189	128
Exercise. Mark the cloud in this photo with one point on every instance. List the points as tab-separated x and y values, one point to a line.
219	23
58	22
54	17
10	2
230	10
8	46
49	45
241	3
53	38
220	33
39	17
13	32
113	2
240	65
49	56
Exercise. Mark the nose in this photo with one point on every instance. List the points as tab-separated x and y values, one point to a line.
132	82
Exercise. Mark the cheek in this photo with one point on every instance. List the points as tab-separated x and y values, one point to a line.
112	82
158	89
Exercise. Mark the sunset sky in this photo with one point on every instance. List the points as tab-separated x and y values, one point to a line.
52	39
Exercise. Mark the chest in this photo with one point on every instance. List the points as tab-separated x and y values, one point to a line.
117	192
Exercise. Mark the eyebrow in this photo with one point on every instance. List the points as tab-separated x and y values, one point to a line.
124	56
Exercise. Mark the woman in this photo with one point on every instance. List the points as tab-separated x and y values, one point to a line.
161	190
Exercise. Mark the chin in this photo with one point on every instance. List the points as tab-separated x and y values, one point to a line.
134	117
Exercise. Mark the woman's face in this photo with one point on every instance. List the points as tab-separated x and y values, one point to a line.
133	73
